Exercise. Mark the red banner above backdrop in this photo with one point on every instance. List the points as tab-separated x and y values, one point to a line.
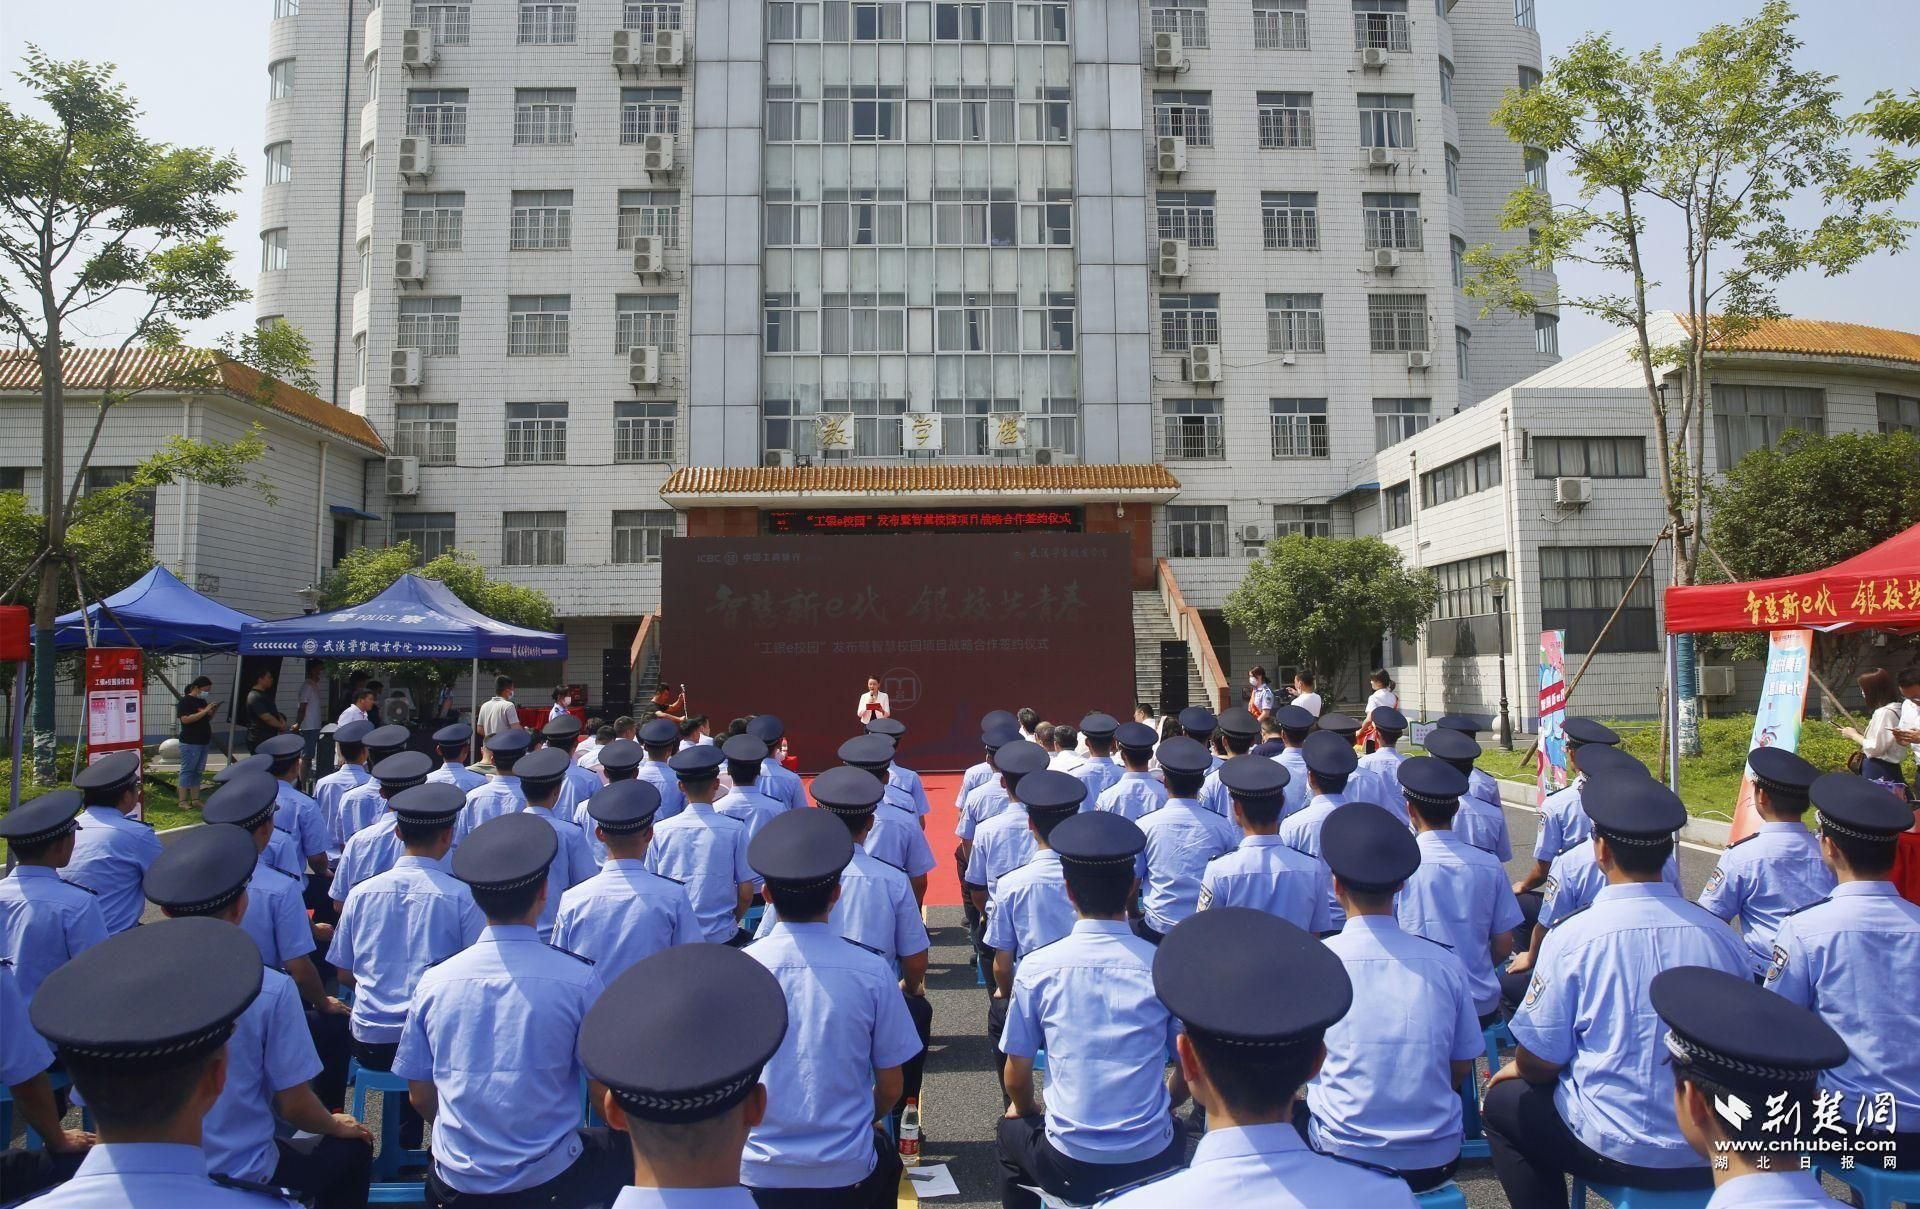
1878	589
953	625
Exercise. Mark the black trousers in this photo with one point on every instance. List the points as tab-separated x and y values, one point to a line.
1421	1179
1513	989
996	1026
23	1172
1027	1158
1146	931
880	1190
332	1041
1529	916
1534	1152
913	1070
594	1180
379	1056
977	932
331	1173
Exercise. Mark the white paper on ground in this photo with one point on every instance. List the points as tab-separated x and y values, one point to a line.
933	1180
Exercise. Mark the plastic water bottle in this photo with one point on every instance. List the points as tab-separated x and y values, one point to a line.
910	1134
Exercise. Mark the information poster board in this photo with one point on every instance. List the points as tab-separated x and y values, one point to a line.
116	682
1551	773
1783	700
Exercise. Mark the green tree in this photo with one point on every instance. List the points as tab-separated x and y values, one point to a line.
366	572
1726	139
1807	504
93	213
1320	601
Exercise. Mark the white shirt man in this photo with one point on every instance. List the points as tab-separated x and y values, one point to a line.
353	713
497	713
1308	700
312	710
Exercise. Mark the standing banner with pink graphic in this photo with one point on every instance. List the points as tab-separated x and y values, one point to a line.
1783	699
1551	773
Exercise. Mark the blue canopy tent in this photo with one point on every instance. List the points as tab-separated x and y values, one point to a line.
156	613
414	618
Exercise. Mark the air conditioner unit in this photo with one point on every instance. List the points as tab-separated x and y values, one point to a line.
416	158
643	365
1716	680
1383	157
1173	258
669	49
1286	358
1203	363
1170	154
629	52
417	51
404	367
649	255
1168	53
1419	358
409	261
1572	492
777	457
1043	457
1385	260
1250	534
403	476
1373	58
656	154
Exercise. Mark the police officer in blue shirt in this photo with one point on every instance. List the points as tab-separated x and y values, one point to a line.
619	761
1261	872
507	1116
704	850
660	739
1777	869
899	777
1381	766
1388	1091
1296	724
1004	842
111	851
1138	792
502	794
1562	823
363	806
270	1057
1853	957
837	1072
25	1062
296	813
375	848
1088	1000
747	801
1199	724
1182	837
350	749
1236	732
1481	820
1256	996
986	798
997	723
1459	897
450	743
578	784
1329	762
1030	904
44	919
146	1050
1584	1093
543	776
899	833
686	1109
624	914
1099	771
1729	1040
776	780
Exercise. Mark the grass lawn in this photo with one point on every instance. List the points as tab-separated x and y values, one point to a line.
161	795
1710	782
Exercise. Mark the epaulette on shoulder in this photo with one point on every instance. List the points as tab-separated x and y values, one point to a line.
858	945
889	864
1743	839
78	886
1810	906
274	1191
1430	940
1363	1165
1139	1184
1580	910
284	873
6	961
572	954
675	880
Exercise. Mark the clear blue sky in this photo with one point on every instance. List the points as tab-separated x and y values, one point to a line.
200	71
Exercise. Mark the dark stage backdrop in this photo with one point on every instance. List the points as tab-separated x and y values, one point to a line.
952	624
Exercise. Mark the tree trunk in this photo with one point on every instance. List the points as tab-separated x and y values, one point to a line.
53	505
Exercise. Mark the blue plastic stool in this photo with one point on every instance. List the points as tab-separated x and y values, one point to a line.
752	922
1878	1189
391	1156
1622	1197
979	971
1446	1196
1473	1132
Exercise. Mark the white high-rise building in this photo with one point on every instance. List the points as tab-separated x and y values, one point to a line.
1202	258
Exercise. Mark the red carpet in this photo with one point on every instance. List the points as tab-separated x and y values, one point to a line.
943	884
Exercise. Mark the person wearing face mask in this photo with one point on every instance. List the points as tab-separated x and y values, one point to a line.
1259	693
562	703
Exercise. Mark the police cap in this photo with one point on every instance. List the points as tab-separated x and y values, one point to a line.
743	749
1198	722
1019	759
625	807
403	770
867	751
562	726
1239	723
1387	718
801	850
658	732
432	804
541	770
768	728
43	819
1098	840
1368	847
1098	726
283	750
245	764
1135	737
508	745
993	719
246	801
1294	719
507	852
1184	756
1783	774
109	776
621	758
1466	724
1858	808
1604	761
701	762
202	871
892	728
1254	778
388	738
1635	810
1050	792
994	738
1453	746
1240	977
1431	781
1581	731
456	735
1329	754
847	790
1731	1032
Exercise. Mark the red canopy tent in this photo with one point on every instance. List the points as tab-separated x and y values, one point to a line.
1876	590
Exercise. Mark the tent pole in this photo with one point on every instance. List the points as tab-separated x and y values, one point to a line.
233	705
1672	712
474	693
19	729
